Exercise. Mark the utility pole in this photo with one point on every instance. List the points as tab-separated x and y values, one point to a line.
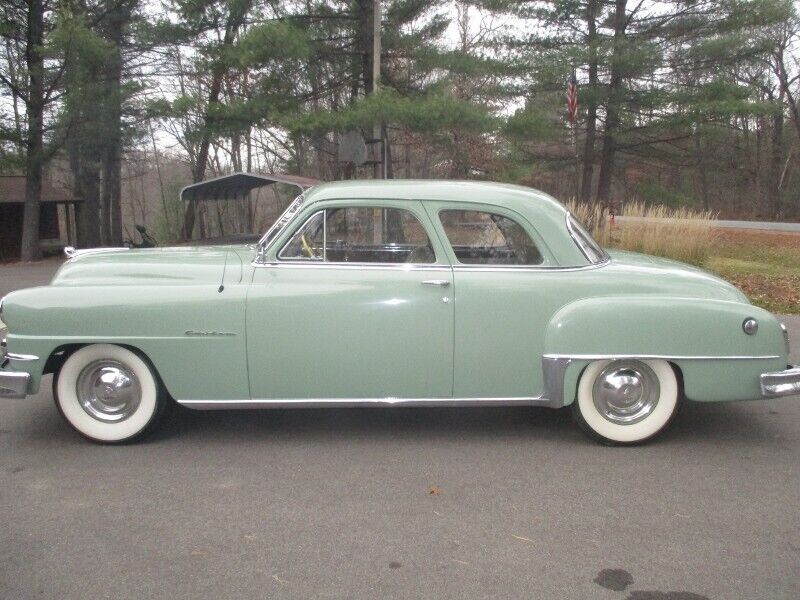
379	169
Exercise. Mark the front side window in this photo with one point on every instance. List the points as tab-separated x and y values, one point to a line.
359	234
485	238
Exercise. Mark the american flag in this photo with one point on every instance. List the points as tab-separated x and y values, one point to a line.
572	98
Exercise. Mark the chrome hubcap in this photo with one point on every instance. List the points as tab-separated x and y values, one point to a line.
108	391
626	391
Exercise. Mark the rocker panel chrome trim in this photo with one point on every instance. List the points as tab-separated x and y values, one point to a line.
553	372
357	402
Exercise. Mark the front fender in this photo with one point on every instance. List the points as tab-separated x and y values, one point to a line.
703	338
194	335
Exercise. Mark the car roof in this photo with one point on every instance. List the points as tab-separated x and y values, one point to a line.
508	195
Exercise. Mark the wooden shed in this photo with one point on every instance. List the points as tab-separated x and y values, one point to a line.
55	225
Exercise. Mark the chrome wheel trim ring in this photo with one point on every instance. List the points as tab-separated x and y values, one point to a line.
626	391
108	391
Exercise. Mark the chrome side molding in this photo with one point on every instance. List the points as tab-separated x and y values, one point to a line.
72	252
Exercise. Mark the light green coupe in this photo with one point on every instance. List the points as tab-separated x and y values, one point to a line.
393	293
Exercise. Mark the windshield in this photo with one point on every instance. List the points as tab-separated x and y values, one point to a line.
590	248
278	225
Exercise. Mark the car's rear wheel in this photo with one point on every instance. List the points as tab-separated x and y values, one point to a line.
108	393
622	402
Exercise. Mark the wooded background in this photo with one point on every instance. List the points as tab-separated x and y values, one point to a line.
691	103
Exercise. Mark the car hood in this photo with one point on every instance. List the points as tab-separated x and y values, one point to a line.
154	266
669	277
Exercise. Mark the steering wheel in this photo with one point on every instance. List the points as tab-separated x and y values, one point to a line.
306	246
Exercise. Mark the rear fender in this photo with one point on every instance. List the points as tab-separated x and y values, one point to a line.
703	338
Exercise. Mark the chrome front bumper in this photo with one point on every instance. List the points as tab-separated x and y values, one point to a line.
13	384
781	383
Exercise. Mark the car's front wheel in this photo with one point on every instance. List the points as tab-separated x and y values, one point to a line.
626	401
108	393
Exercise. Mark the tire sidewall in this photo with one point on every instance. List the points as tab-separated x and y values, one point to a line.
635	433
65	394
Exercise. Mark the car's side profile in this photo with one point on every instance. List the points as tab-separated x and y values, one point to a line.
412	293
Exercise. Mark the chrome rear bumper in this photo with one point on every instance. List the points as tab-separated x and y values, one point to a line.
781	383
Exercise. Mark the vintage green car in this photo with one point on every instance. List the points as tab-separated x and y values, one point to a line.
393	293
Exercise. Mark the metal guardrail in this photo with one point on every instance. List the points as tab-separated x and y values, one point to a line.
763	225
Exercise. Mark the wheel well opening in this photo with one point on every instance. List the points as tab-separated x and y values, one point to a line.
679	376
59	356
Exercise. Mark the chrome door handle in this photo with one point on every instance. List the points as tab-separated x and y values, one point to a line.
439	282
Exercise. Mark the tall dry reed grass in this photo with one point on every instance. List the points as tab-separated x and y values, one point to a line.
678	233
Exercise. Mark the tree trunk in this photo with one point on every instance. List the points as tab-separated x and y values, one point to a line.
112	160
591	104
776	164
87	221
613	103
702	173
235	20
388	154
34	142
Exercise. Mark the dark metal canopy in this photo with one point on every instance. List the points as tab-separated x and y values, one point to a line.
238	185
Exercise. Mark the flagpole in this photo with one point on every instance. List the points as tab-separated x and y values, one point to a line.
577	160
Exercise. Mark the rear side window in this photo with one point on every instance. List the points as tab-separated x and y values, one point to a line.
485	238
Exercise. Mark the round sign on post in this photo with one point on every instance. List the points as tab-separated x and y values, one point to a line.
352	148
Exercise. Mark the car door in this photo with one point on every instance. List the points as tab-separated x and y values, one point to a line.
353	303
501	275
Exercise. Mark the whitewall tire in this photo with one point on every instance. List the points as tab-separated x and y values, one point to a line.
108	393
626	401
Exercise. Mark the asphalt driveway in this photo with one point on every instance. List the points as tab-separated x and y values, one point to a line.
400	503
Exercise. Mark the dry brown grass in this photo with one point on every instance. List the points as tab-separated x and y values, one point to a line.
677	233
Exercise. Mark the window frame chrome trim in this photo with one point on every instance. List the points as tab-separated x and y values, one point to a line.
570	220
482	209
355	266
526	268
299	200
358	265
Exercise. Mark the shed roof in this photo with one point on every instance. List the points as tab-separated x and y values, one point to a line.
237	185
12	191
